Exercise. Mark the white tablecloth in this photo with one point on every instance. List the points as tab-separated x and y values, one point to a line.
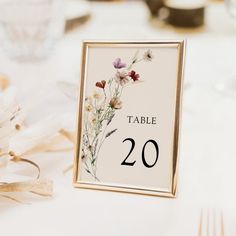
208	156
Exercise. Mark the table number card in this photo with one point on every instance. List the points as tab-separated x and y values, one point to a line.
129	112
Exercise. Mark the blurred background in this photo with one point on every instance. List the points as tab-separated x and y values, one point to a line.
40	54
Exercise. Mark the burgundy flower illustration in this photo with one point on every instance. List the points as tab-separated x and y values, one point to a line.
118	64
101	84
133	75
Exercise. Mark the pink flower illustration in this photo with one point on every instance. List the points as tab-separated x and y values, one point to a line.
122	77
118	64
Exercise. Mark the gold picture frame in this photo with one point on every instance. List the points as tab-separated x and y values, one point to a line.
99	49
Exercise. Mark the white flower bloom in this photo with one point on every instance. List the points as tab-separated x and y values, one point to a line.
116	103
41	133
11	115
148	56
88	108
20	139
122	77
97	95
11	120
94	119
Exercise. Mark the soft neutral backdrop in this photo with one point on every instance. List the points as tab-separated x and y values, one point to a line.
207	162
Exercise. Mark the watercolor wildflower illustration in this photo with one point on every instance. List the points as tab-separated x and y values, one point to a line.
102	106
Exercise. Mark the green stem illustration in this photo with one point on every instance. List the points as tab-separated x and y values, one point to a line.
101	108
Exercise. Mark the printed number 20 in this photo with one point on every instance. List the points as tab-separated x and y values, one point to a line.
143	153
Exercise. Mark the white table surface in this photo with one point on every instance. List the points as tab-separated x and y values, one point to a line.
208	156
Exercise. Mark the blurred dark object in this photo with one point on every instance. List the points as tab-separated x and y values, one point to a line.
77	13
154	6
185	17
73	24
177	16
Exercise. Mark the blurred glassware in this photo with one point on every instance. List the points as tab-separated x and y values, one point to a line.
231	6
29	29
